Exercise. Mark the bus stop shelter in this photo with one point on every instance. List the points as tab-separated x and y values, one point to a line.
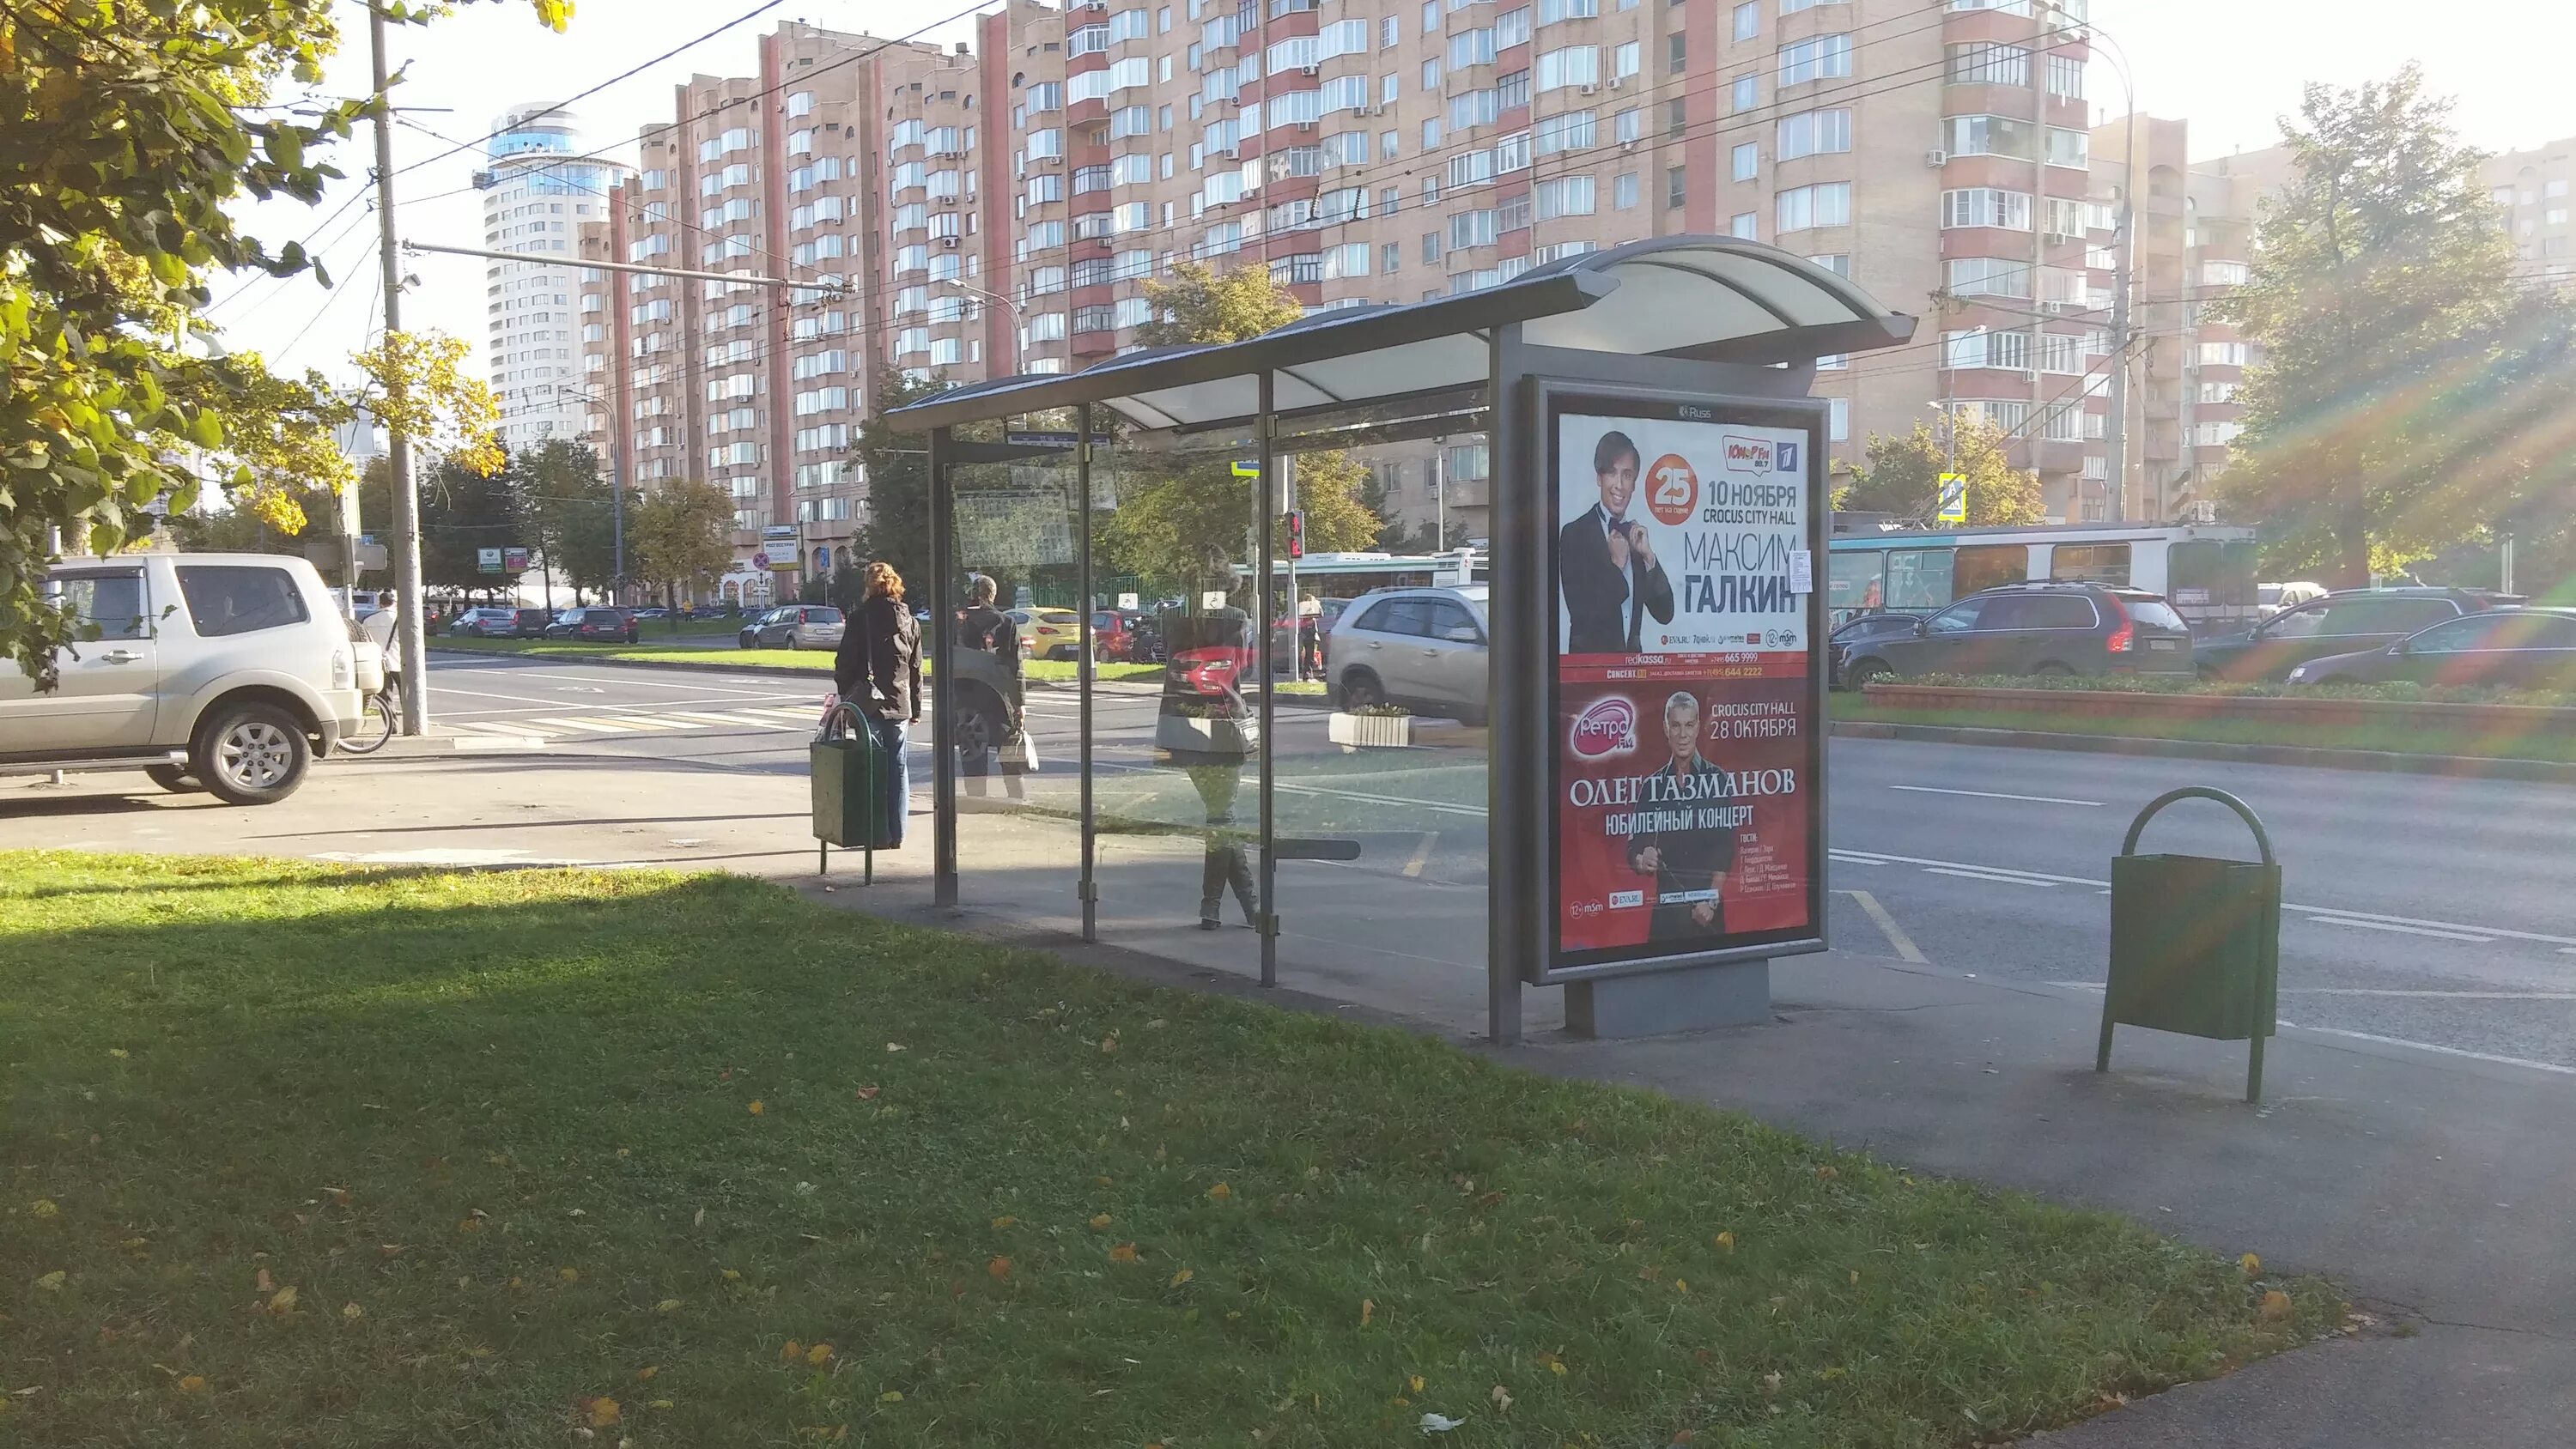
1640	820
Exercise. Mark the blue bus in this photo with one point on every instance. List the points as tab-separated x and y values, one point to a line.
2205	570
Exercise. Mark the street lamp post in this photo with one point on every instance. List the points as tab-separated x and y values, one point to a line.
616	496
1008	306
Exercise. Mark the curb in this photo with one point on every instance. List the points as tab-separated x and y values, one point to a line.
790	671
2373	761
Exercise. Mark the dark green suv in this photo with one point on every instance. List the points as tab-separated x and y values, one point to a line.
2053	628
2347	622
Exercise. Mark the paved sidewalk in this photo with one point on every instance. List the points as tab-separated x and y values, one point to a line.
2436	1188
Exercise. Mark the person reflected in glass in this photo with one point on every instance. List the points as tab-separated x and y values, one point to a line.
878	671
1207	730
983	626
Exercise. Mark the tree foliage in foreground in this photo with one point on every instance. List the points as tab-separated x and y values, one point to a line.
126	131
2413	392
1903	477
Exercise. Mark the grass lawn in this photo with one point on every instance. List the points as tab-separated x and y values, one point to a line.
293	1154
2535	744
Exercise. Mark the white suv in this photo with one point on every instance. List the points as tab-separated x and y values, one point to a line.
229	671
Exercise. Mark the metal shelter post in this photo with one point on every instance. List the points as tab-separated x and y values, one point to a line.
1089	886
1516	710
1261	508
943	689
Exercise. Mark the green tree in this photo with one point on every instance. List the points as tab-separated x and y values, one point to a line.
2381	289
681	538
564	510
463	511
127	135
1188	526
1903	476
897	469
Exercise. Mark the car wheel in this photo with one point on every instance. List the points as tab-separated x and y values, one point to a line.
2051	670
980	727
1361	690
745	641
173	778
252	754
791	641
1861	674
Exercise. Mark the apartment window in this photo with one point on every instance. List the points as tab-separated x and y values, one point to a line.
1563	196
1676	53
2065	77
1838	263
1431	248
1512	28
1838	419
1552	11
1472	229
1623	191
1747	92
1747	159
1624	61
1575	65
1982	347
1748	20
1986	63
1986	206
1430	17
1342	93
1676	185
1349	259
1987	136
2218	392
1986	277
1471	47
2222	354
1388	33
1512	92
1746	225
1098	317
1676	117
1389	257
2061	352
1825	204
1567	131
1823	57
2224	274
1628	125
1815	133
2069	148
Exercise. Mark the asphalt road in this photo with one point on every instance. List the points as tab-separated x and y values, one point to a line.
2425	910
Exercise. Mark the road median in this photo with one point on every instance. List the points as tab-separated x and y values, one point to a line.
553	1133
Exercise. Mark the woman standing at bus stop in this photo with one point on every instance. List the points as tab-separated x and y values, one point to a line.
878	670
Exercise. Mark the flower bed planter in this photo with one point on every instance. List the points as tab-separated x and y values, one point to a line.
1370	731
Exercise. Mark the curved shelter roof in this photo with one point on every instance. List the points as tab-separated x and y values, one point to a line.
1704	298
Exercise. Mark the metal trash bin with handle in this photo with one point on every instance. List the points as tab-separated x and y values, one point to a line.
855	793
2195	941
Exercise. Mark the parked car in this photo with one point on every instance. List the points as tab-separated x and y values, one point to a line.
529	623
2273	598
1110	638
2348	622
1048	633
224	672
1862	630
797	626
485	624
1423	648
595	625
653	613
2519	648
2036	628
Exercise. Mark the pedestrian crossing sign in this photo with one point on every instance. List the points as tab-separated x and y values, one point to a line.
1954	499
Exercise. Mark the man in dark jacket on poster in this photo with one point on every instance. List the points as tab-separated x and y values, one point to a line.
1688	861
1608	570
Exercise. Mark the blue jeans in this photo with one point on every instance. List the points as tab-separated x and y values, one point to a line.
892	735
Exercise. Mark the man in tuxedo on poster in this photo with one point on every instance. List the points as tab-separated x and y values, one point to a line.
1689	863
1605	564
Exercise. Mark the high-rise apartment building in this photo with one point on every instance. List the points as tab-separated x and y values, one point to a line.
539	190
1000	206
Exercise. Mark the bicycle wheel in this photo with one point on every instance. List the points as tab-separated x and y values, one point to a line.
375	725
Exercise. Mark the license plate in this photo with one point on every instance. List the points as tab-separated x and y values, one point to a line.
2167	644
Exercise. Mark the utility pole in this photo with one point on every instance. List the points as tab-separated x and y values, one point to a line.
409	642
2125	240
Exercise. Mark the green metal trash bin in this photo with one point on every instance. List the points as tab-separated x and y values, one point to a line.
2195	941
854	789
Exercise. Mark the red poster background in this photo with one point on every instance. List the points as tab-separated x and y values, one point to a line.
1756	714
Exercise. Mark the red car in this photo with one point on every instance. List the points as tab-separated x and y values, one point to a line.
1110	639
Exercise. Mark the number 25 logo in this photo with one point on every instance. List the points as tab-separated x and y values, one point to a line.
1672	489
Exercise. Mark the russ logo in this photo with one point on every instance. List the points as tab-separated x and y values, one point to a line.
1608	727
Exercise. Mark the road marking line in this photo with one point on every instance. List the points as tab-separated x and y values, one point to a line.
1854	857
1997	795
727	719
2361	925
583	726
1895	934
650	722
499	742
1995	877
2438	995
2499	932
2426	1046
803	716
1421	852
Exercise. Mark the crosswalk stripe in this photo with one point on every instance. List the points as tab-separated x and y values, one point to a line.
800	715
729	719
581	724
648	721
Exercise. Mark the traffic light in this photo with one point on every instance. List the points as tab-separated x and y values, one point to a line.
1296	533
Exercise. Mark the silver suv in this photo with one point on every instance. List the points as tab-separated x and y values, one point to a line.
227	672
1421	648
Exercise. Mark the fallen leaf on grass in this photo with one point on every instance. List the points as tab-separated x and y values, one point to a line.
891	1396
1099	1221
603	1411
869	1094
1501	1398
756	1108
569	1275
1439	1423
1004	1221
894	1046
645	1374
262	1284
117	1052
1827	1173
1771	1382
819	1355
1000	1268
43	1207
667	1305
2251	1264
791	1352
1725	1242
1182	1277
1220	1192
1368	1310
1123	1253
2275	1306
193	1383
660	1404
352	1312
283	1301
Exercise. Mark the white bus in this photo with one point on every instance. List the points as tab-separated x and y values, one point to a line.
2205	570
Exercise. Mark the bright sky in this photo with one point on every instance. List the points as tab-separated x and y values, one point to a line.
2230	67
